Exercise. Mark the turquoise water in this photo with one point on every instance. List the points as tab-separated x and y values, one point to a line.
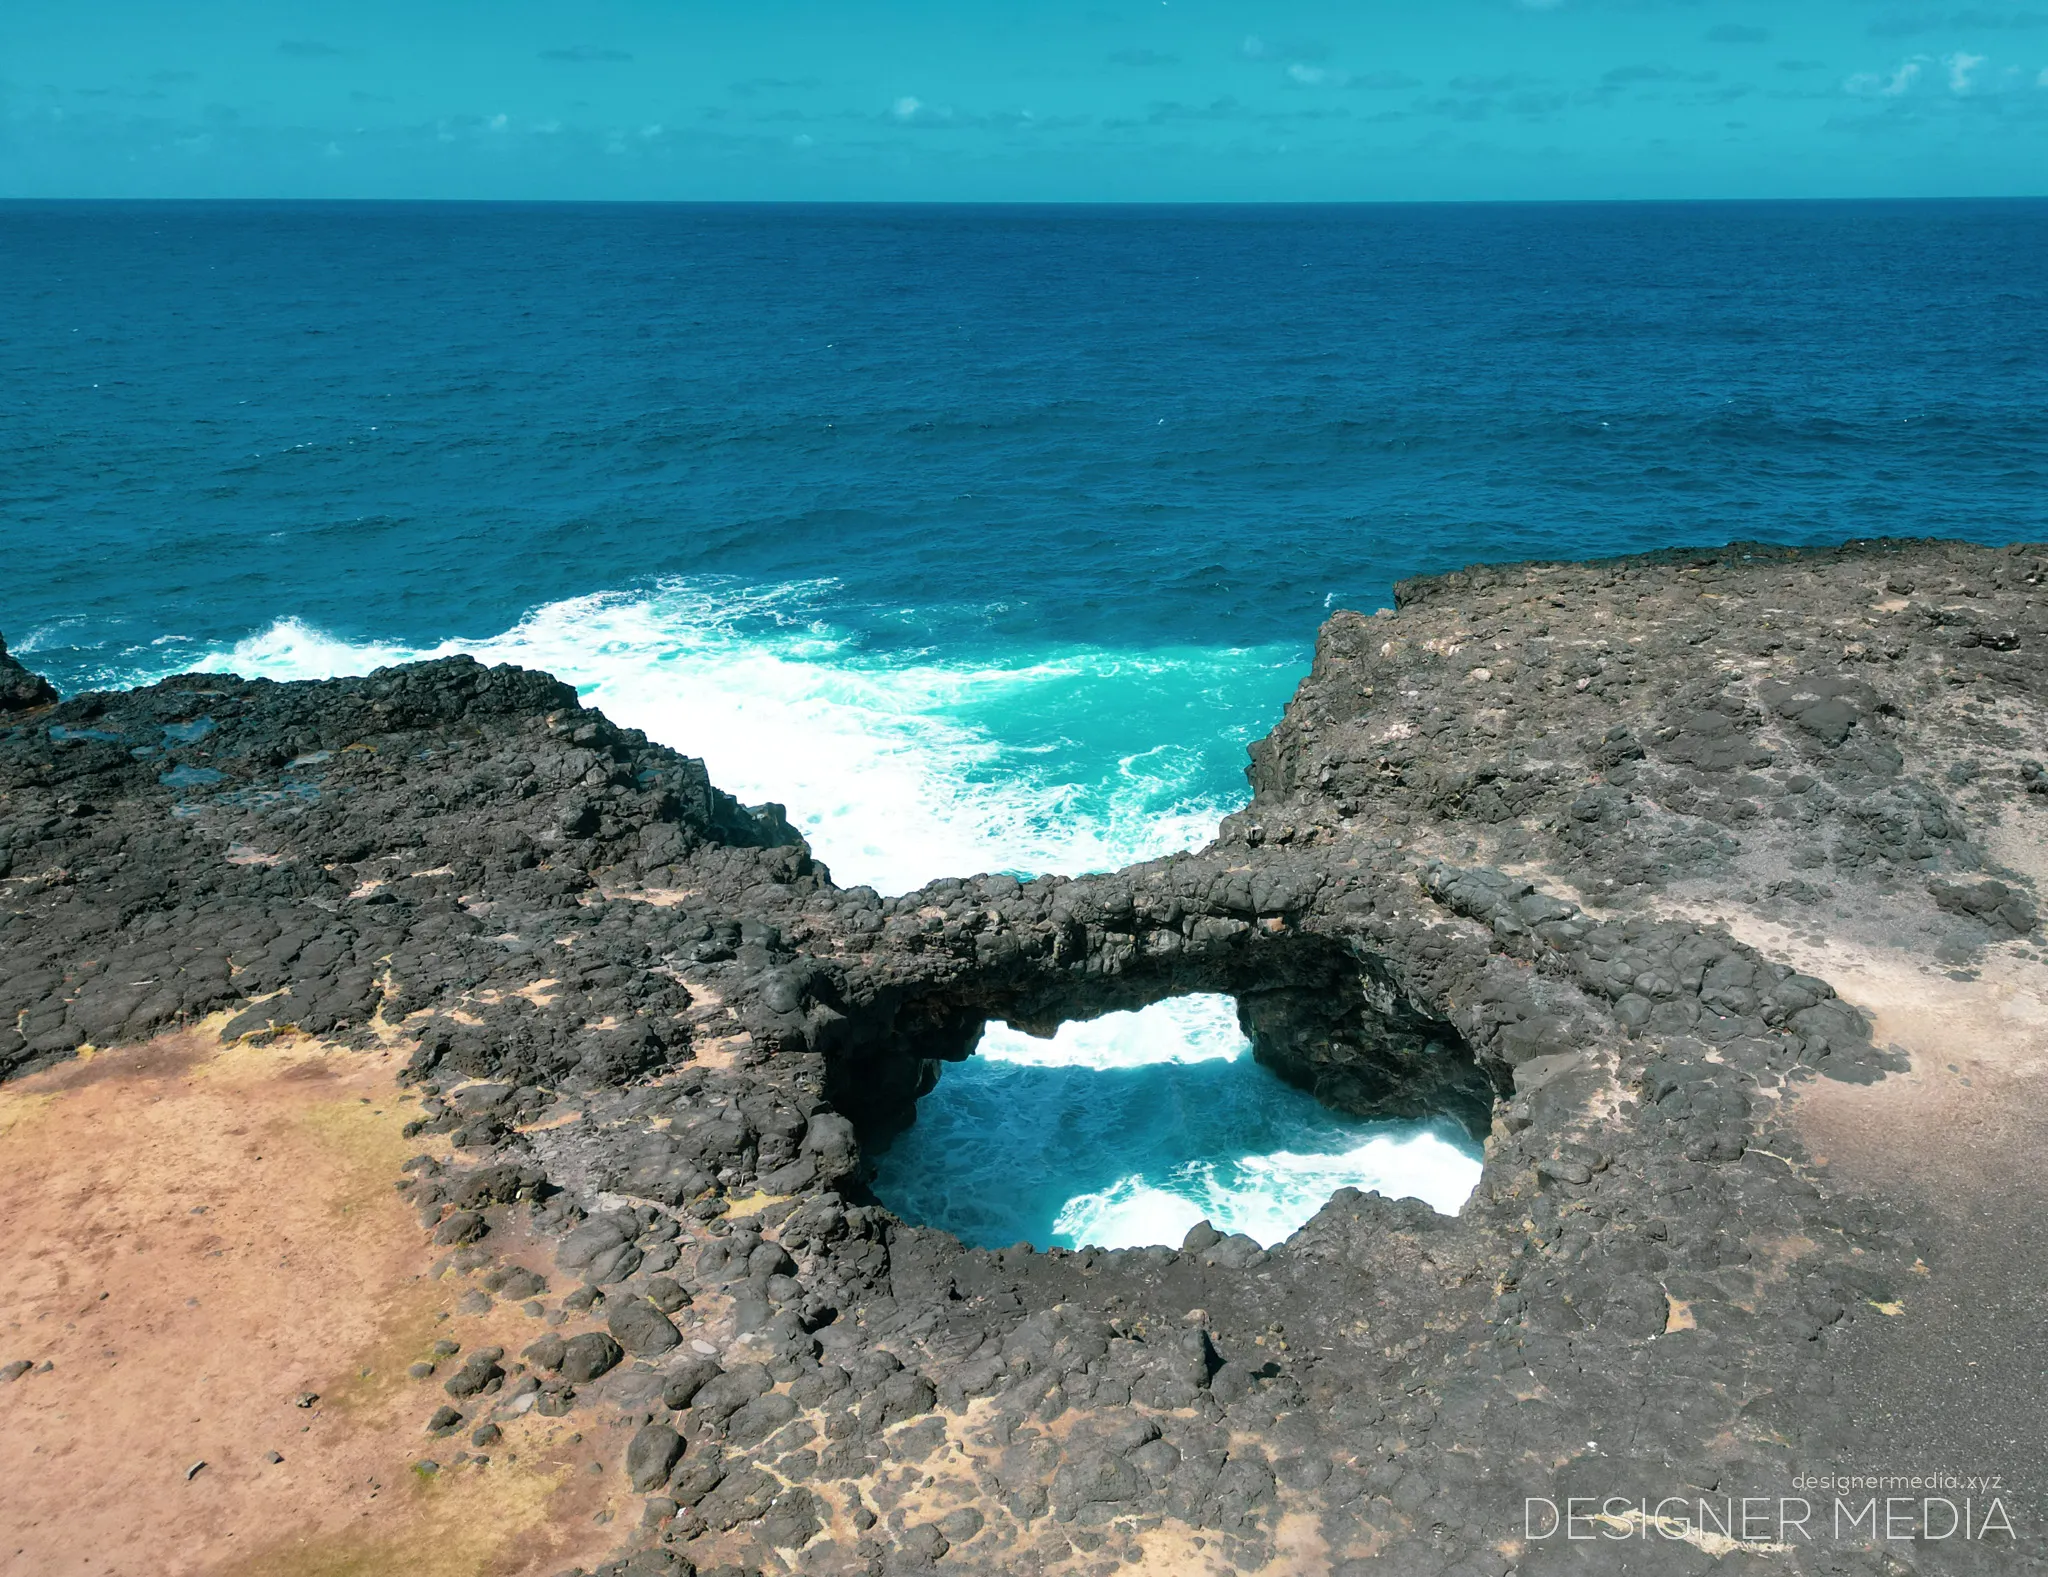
1128	1130
983	539
899	766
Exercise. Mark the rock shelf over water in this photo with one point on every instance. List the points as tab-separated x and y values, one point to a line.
1551	850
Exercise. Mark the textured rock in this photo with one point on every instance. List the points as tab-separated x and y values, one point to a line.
1472	881
20	690
589	1355
642	1329
651	1455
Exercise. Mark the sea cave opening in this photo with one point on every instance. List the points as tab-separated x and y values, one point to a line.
1125	1129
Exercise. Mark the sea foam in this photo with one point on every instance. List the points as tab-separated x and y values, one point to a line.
898	768
1128	1129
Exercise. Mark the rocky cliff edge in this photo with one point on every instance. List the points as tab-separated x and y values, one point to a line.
1670	877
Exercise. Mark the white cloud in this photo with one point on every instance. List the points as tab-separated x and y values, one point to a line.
1961	77
2042	80
913	111
1875	84
1309	76
498	123
1253	47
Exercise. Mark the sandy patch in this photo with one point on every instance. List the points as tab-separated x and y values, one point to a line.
1957	1370
196	1237
1970	1109
653	897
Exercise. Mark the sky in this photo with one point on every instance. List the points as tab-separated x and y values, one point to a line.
1056	100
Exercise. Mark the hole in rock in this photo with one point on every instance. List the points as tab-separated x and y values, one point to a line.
1125	1130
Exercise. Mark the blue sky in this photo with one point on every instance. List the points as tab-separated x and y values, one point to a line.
1086	100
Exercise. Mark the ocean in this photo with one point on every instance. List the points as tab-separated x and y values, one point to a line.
982	538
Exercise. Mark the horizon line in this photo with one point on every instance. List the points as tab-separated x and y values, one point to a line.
1020	203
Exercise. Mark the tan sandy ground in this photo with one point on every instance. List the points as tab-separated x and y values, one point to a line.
1957	1377
1969	1119
197	1236
194	1237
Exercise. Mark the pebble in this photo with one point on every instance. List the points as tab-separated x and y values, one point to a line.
667	1294
588	1355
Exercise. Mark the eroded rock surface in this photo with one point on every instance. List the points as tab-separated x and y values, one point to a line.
1476	879
19	689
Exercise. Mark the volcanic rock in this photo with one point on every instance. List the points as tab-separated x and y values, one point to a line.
20	690
1596	860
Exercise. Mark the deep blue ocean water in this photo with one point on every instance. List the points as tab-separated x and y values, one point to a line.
983	538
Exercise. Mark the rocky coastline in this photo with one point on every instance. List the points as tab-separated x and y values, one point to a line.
1548	848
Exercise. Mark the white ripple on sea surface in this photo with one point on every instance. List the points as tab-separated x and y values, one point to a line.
898	769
